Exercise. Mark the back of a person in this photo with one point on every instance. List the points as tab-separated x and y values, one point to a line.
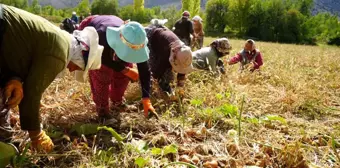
74	18
68	25
206	55
160	41
182	28
35	37
100	23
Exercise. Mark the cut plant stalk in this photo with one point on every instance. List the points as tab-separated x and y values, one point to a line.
240	118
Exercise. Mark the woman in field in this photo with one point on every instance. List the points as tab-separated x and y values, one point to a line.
33	53
124	44
249	58
198	32
209	58
167	54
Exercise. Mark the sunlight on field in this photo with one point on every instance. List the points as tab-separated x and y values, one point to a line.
290	113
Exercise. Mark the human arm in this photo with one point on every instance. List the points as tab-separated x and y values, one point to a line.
237	58
40	76
145	80
191	29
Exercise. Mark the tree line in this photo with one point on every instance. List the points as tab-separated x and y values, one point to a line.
288	21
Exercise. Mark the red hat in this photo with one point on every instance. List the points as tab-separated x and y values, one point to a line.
186	14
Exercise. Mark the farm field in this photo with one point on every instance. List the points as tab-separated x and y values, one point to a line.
286	115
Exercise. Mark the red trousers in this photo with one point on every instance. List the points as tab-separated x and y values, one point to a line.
107	83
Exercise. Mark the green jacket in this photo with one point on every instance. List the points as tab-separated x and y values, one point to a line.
36	51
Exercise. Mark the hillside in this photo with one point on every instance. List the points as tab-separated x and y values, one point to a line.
332	6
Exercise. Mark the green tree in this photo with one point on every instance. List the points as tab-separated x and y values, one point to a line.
83	7
196	8
172	14
48	10
138	5
23	4
126	12
36	7
187	5
275	20
293	29
239	14
216	15
156	10
256	27
107	7
305	7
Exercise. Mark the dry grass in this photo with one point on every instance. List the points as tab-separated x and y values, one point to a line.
298	85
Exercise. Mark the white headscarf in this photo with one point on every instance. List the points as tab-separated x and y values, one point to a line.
85	40
76	49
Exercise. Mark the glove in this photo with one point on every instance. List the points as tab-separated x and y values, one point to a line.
148	108
172	96
131	73
14	93
180	91
41	142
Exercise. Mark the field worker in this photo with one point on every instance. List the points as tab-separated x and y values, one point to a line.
157	23
250	58
123	46
184	28
44	52
167	54
68	25
209	58
74	17
198	32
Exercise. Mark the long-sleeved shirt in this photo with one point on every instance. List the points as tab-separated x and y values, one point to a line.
205	59
160	40
74	18
198	28
100	23
183	28
247	57
36	51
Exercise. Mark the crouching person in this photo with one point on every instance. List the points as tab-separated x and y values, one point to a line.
209	58
167	54
249	58
45	51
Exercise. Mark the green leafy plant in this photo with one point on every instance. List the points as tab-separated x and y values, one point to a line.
85	129
117	136
196	102
141	162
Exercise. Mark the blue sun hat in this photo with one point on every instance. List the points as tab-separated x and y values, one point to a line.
129	42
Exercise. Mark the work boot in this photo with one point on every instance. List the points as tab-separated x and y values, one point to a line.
122	107
107	118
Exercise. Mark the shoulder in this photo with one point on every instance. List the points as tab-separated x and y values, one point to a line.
205	52
241	52
258	52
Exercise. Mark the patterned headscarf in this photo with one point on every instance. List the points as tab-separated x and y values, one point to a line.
222	46
250	41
